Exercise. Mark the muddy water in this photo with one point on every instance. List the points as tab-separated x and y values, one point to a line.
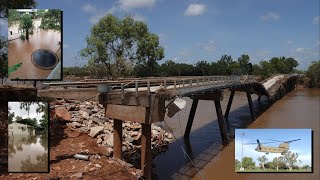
20	51
298	109
28	153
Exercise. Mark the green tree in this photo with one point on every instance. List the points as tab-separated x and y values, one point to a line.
26	24
10	117
119	43
263	159
248	163
238	164
243	61
13	17
51	19
277	161
17	4
3	58
313	73
290	159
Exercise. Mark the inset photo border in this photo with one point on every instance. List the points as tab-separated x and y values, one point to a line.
273	150
28	137
35	46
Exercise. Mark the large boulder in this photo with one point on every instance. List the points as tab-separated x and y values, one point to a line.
62	114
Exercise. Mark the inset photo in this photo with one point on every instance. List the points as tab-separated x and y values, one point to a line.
273	150
35	47
28	147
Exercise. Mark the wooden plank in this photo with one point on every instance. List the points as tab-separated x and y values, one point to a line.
226	115
250	105
222	125
146	151
127	113
117	138
191	117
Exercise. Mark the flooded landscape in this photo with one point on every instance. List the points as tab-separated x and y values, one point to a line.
205	146
28	153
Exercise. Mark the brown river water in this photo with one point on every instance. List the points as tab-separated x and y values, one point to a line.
298	109
28	153
20	51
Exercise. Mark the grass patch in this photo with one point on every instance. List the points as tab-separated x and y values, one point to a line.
14	68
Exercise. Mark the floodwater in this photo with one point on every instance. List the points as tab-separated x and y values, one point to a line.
20	51
298	109
28	153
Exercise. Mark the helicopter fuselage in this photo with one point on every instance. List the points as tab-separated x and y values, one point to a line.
283	147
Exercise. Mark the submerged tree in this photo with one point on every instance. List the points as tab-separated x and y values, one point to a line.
26	24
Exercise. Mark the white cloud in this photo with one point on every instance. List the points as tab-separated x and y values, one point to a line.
88	8
290	42
138	18
208	46
316	20
301	50
195	10
270	16
135	4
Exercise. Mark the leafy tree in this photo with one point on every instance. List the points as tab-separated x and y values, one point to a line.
3	58
313	73
18	118
269	165
13	17
277	161
51	19
263	159
248	163
243	61
238	164
119	43
26	24
42	108
16	4
290	159
307	167
10	117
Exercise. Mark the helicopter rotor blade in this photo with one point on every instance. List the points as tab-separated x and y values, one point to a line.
274	140
292	140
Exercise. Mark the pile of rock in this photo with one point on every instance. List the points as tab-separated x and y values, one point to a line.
89	117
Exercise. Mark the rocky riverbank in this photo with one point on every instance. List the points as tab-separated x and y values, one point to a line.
89	117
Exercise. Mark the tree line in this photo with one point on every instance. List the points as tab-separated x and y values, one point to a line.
224	66
288	161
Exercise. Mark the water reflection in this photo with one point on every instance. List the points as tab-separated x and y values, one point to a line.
28	153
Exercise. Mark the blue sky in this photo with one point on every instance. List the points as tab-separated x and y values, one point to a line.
193	30
302	147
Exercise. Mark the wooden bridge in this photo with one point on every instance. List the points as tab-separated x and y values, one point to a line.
144	100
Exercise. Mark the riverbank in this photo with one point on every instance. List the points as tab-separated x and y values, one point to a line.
298	109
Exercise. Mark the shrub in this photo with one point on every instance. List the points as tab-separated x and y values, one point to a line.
22	37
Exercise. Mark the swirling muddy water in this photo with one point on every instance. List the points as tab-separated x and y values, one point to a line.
298	109
19	51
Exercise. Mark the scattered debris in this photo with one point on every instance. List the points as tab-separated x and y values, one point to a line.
89	117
